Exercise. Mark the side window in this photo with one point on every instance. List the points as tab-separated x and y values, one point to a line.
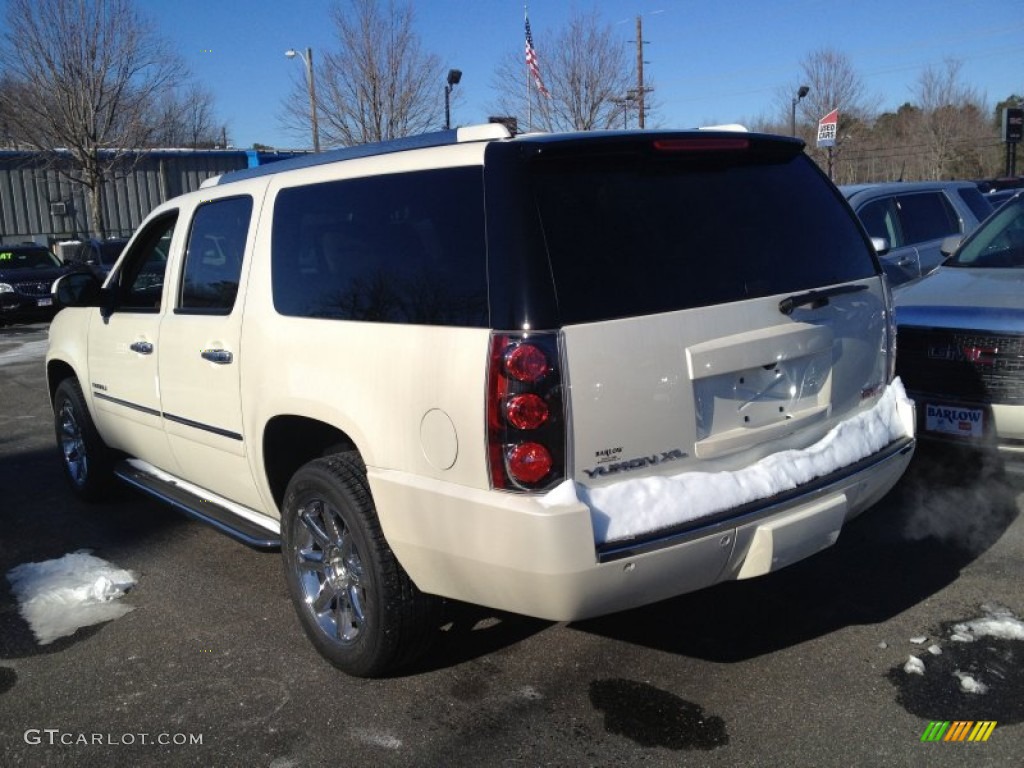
399	248
927	216
140	282
213	259
880	220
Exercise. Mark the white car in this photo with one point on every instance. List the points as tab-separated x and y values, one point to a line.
561	375
961	339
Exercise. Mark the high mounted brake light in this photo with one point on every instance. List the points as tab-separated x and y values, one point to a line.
701	144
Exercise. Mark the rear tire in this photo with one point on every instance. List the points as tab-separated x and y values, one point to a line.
355	602
86	459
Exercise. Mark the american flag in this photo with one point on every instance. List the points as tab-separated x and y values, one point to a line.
531	61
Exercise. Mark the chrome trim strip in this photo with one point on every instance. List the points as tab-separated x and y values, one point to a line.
170	417
126	404
205	427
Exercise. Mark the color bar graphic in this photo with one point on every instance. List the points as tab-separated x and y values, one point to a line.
958	730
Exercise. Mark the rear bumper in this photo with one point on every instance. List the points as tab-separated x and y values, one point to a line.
509	552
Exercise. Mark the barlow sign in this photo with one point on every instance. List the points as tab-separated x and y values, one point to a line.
827	129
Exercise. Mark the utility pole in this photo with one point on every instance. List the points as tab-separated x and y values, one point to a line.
640	72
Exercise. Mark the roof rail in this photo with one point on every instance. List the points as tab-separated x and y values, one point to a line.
487	132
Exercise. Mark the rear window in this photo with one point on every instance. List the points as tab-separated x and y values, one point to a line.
637	231
980	207
399	248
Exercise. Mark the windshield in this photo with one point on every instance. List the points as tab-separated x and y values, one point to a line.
999	243
27	258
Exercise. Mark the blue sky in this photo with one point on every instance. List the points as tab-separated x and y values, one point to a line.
711	62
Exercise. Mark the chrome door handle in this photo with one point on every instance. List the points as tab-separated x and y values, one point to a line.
142	347
219	356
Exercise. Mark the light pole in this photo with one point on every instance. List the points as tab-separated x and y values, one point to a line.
454	76
803	91
291	53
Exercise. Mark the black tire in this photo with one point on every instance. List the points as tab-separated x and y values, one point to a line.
86	459
355	602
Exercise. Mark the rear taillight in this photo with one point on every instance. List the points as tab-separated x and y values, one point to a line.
525	414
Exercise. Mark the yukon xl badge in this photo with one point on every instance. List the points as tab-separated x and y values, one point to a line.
604	467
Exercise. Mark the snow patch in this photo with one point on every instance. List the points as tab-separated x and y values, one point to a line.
1005	627
969	685
914	666
58	597
630	508
919	640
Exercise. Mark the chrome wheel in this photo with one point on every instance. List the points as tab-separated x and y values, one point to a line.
72	444
330	572
354	602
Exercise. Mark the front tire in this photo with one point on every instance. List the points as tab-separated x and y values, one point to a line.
86	459
355	602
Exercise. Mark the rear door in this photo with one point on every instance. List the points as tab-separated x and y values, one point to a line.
927	219
200	352
881	218
684	270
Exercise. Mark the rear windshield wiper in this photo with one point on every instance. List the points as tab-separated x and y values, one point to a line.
816	299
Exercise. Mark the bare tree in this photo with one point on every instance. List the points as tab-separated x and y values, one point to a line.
378	84
587	71
186	118
833	84
87	76
951	121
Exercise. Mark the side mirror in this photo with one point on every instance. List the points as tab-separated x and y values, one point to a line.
881	245
950	244
77	289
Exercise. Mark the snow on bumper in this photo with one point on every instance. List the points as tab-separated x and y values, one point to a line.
631	508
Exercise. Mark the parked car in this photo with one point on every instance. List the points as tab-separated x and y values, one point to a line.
27	273
961	339
999	196
914	219
98	255
561	375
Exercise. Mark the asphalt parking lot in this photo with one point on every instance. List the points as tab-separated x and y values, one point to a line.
801	668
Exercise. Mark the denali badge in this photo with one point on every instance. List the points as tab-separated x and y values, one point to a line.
638	463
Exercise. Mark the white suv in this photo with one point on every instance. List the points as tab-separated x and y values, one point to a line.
561	375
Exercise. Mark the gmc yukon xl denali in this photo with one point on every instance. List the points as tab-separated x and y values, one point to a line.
559	375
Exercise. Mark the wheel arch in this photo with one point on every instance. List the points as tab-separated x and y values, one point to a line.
56	372
290	441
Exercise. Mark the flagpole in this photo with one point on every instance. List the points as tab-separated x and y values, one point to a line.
529	89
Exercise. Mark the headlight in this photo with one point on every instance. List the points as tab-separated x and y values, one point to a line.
6	288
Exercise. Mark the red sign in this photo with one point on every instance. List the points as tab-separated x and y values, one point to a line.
827	129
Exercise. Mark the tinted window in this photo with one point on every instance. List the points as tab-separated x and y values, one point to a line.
213	260
980	207
927	216
140	282
880	220
402	248
637	231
